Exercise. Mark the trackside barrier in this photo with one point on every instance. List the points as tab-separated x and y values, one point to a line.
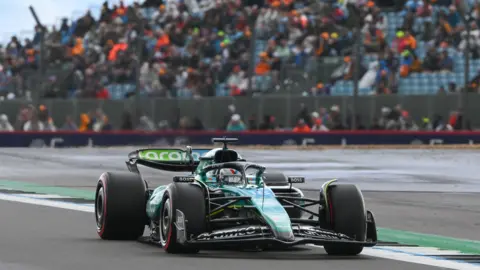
85	139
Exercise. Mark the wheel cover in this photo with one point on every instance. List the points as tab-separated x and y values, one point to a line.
165	220
99	205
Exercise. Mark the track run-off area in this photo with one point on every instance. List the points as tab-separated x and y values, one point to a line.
426	204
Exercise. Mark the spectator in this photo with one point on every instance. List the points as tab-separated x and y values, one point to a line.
85	122
445	62
34	124
146	124
474	41
5	124
69	124
383	89
431	61
368	80
45	119
236	124
301	126
268	123
374	40
452	87
335	118
304	114
318	124
320	90
237	81
99	122
184	123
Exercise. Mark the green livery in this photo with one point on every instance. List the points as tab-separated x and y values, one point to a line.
219	199
169	155
263	198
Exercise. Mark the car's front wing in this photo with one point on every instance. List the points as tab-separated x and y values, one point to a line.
251	236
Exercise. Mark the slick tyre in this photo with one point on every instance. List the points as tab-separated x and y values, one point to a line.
346	214
120	206
190	200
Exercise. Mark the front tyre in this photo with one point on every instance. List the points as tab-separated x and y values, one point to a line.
120	206
347	215
190	200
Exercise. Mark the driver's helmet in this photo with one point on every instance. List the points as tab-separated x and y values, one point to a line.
230	176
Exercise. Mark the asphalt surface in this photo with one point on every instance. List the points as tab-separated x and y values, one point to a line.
43	238
37	237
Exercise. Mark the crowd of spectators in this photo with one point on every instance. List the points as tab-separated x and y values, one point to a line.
190	48
174	48
32	118
438	24
179	49
182	49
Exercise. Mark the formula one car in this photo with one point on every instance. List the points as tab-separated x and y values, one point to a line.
227	202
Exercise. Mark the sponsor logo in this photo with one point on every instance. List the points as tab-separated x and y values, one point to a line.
296	179
168	155
232	233
183	179
289	142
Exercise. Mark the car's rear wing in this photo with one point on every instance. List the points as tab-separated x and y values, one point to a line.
167	159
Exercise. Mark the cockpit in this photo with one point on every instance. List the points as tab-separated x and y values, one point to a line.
226	176
230	177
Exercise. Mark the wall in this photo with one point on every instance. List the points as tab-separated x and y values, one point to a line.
161	139
213	111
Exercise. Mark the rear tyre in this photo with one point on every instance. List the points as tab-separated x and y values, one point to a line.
189	199
346	215
120	206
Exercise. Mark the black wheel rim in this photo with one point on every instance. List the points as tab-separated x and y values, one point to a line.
165	219
99	204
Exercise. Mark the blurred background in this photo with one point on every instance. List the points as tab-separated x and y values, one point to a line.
240	65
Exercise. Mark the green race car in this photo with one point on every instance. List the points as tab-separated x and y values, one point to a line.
222	201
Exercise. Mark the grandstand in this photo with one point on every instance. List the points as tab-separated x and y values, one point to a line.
419	83
305	77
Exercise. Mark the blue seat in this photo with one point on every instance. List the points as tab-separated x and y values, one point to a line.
119	91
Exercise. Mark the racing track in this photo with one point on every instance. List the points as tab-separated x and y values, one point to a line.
37	237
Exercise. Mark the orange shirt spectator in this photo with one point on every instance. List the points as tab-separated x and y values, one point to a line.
162	41
376	36
30	55
301	126
410	41
263	67
84	122
78	48
112	56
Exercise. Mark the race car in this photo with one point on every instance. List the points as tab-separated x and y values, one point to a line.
222	201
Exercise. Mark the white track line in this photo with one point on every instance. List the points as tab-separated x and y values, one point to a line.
44	196
391	254
380	252
44	202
